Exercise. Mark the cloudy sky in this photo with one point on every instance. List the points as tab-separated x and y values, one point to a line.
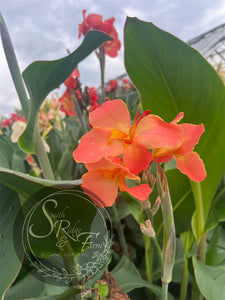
44	29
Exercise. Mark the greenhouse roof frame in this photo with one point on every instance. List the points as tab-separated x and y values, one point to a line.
211	45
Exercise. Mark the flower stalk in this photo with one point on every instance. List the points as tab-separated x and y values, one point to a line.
169	237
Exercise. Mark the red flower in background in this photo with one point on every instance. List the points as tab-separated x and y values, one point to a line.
93	98
94	21
14	116
112	86
71	81
6	123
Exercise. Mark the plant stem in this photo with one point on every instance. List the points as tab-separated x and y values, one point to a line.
199	209
14	67
148	258
154	239
78	112
201	237
42	156
201	249
164	291
71	292
101	57
119	228
184	282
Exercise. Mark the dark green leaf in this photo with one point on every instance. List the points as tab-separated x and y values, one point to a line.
128	278
9	262
172	77
31	287
27	185
41	77
217	211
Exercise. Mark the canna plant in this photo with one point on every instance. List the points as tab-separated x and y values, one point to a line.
124	154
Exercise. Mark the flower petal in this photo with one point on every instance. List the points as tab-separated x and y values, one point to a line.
94	145
101	190
191	136
153	132
141	192
111	114
192	166
136	157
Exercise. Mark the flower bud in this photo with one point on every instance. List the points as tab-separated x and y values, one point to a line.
147	228
156	206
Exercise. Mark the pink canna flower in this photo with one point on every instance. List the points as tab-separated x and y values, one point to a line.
113	135
188	162
105	177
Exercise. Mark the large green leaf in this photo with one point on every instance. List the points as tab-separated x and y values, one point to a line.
172	77
27	185
41	77
31	287
217	213
210	280
128	278
9	262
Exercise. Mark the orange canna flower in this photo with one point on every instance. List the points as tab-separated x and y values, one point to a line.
188	162
66	102
105	177
112	135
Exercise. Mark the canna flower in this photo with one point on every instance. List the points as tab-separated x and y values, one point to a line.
71	81
67	105
188	162
112	86
105	177
94	21
14	117
113	135
6	123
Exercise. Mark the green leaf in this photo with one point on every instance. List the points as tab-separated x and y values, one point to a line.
128	278
172	77
210	280
9	262
217	211
41	77
27	185
31	287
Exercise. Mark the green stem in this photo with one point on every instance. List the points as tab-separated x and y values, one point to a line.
154	239
200	220
42	156
78	111
158	249
148	258
101	57
119	228
201	249
164	291
184	282
71	292
14	67
199	209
